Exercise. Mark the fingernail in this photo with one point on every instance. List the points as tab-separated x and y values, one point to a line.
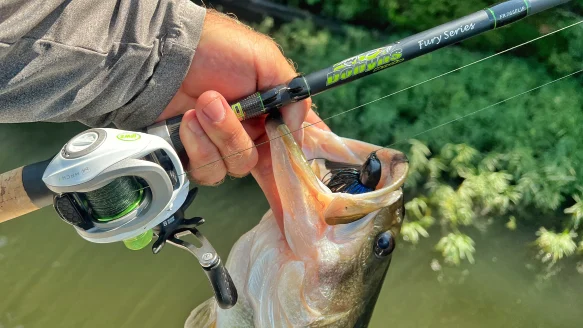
194	126
214	111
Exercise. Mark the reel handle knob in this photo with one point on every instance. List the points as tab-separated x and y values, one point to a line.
223	286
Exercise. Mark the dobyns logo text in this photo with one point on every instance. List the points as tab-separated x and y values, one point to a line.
372	61
128	136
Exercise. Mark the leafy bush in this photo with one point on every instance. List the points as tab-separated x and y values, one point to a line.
456	247
561	54
469	187
555	246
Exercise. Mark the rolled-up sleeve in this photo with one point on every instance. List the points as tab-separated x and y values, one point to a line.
98	62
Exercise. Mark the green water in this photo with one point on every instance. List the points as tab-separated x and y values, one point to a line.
50	277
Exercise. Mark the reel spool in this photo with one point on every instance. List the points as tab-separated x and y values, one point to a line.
115	185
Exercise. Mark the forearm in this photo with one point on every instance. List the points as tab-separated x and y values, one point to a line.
98	62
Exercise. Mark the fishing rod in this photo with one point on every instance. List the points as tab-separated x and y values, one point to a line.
113	185
373	61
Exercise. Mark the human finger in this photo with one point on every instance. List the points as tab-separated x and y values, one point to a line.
206	165
226	132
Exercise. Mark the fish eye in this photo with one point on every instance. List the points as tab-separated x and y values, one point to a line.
384	244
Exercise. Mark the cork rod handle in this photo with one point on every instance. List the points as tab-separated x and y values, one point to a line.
14	200
22	191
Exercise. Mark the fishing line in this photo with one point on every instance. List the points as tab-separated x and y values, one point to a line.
107	208
411	87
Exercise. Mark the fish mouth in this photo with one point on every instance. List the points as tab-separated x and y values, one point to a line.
306	168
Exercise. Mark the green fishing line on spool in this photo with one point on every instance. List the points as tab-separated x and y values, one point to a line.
116	199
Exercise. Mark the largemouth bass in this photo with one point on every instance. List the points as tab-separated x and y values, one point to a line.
327	266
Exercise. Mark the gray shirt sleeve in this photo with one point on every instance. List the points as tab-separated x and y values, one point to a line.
98	62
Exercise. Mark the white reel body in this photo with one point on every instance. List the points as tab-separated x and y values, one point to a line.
96	157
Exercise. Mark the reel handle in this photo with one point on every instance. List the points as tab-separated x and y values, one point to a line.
178	226
223	286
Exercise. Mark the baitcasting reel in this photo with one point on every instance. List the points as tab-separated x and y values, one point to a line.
115	185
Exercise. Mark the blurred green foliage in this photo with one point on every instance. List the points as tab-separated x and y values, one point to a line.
470	188
519	160
561	54
555	246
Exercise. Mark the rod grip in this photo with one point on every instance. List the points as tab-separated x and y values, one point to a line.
223	286
249	107
14	200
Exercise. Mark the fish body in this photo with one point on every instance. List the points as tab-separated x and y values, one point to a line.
325	268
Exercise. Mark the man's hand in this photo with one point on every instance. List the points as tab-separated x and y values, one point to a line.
233	61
